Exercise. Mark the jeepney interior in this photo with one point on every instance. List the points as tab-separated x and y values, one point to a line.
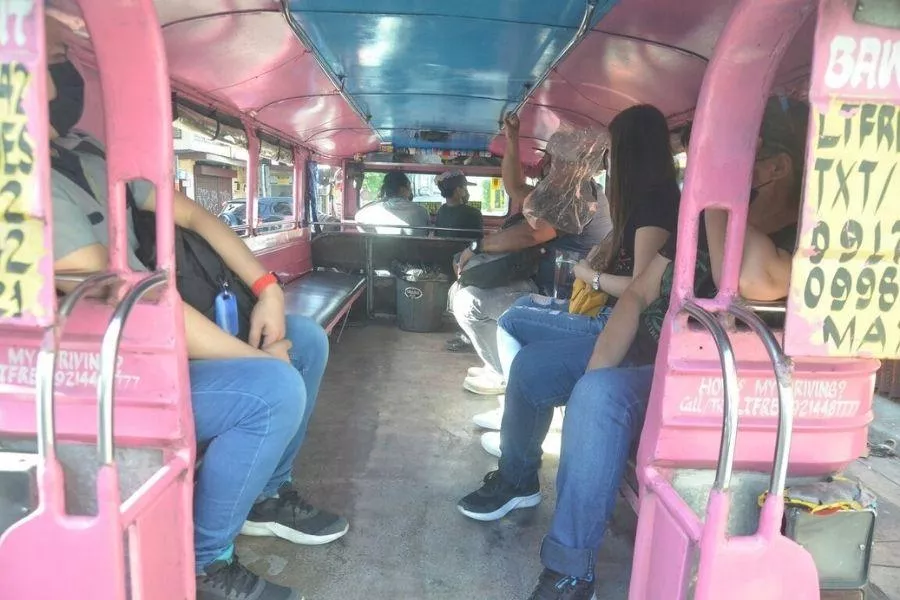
313	101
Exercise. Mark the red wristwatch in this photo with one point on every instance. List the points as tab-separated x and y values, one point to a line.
263	282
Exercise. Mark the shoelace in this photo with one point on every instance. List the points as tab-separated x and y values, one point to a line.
235	577
553	587
492	481
566	582
292	498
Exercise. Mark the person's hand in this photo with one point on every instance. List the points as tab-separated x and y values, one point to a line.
512	124
267	318
584	272
279	349
464	258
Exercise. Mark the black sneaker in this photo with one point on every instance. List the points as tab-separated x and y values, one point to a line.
230	580
496	498
291	518
555	586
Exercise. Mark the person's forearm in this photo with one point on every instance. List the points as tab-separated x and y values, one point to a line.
614	285
227	245
618	333
205	340
517	237
513	176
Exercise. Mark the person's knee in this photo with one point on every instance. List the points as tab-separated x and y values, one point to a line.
283	394
507	321
465	306
307	336
529	369
601	394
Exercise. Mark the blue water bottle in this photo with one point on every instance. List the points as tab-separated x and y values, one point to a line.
226	311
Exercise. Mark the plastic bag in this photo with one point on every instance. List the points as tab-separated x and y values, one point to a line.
567	197
418	272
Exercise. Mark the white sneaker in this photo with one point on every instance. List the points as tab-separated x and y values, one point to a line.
481	372
490	419
486	385
490	441
559	414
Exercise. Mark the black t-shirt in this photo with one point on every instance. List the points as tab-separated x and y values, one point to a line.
461	216
656	207
646	342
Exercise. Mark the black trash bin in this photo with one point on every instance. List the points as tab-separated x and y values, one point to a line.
421	297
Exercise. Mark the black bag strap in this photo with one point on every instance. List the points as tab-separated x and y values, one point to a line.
67	163
87	147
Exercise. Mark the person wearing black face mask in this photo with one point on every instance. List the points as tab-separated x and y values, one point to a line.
245	483
68	105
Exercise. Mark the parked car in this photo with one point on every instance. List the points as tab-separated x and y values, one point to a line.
272	214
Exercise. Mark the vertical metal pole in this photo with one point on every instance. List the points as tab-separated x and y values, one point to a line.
370	276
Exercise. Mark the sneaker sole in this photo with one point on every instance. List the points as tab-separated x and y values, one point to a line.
483	391
519	502
278	530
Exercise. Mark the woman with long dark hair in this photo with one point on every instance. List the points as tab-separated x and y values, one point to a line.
643	202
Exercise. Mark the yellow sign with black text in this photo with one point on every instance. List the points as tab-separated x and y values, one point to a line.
846	274
21	233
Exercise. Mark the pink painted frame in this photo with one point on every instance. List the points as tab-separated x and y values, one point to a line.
699	559
88	552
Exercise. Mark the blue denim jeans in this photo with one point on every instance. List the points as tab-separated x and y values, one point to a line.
254	412
603	418
536	318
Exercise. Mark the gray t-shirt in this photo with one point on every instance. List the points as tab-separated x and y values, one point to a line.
384	217
80	220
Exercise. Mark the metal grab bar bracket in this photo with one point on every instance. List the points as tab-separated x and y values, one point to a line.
109	350
783	369
725	465
45	372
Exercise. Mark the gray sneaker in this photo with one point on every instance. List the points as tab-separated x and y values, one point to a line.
230	580
291	518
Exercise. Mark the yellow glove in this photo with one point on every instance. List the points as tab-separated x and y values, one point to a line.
586	301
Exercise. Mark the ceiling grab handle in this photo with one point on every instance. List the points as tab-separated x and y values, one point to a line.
590	7
46	365
109	350
783	367
725	465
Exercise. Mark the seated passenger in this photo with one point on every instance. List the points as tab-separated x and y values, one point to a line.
394	208
643	204
251	402
455	212
605	383
477	309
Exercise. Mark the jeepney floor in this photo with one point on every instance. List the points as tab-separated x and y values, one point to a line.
391	446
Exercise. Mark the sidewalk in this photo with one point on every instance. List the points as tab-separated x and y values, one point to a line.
881	474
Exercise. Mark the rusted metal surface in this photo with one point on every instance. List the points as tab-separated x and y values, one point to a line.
888	380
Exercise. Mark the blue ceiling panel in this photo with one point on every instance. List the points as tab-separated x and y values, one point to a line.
424	64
